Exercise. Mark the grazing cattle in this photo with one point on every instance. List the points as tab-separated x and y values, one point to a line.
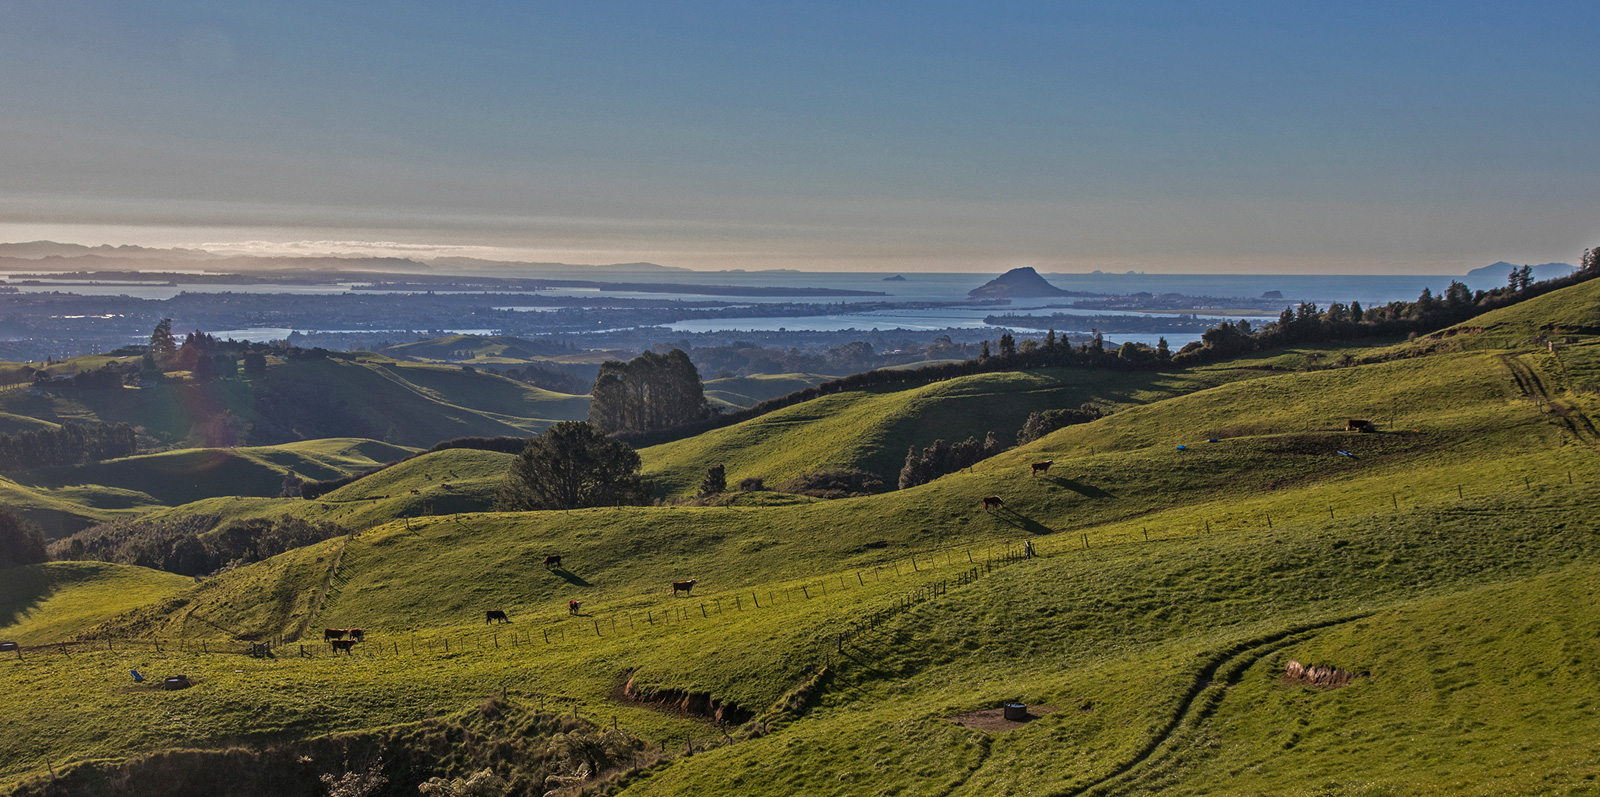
574	606
493	615
415	491
358	635
346	645
685	586
329	634
992	501
553	560
1042	467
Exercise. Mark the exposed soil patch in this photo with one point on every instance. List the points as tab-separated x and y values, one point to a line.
678	701
993	720
1317	675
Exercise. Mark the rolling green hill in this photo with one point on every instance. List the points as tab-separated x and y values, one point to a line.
49	602
871	429
487	349
1447	562
365	395
66	499
744	391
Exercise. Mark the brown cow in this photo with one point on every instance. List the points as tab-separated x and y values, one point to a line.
553	560
1042	467
330	634
992	501
682	585
346	645
358	635
574	606
495	614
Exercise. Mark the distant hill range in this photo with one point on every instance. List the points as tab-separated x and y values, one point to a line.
1019	283
1495	275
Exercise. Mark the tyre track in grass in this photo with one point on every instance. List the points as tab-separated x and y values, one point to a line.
1198	703
1563	415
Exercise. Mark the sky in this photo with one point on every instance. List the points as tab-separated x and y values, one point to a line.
1219	137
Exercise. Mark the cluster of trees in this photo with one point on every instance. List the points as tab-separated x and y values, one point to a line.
941	458
1044	422
1306	322
71	443
572	465
184	546
651	391
834	483
21	542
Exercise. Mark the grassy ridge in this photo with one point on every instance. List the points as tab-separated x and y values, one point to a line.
1451	556
745	391
66	499
411	404
53	601
871	429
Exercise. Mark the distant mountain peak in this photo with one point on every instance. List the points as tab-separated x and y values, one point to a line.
1018	282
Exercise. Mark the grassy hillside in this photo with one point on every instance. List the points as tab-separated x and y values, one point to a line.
413	404
50	602
1449	561
63	500
745	391
871	429
486	349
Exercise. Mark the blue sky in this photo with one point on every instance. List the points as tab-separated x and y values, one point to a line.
1221	137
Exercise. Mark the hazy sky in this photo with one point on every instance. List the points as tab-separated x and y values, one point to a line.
1225	137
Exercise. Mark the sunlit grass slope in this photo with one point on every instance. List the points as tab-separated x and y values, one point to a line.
55	601
871	429
1449	560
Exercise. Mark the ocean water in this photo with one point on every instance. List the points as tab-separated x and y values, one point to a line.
942	287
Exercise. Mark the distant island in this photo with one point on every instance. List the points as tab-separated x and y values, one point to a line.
1495	274
1020	283
895	278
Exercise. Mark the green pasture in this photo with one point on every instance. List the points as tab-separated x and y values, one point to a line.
872	429
49	602
1449	561
745	391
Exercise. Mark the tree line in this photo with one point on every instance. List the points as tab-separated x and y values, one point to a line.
186	545
71	443
1303	323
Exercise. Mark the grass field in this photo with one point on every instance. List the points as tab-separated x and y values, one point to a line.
66	499
1449	561
745	391
871	429
404	403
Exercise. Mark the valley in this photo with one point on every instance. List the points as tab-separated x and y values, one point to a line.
1143	596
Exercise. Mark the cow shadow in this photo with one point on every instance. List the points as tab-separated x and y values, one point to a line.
1017	520
570	577
1085	490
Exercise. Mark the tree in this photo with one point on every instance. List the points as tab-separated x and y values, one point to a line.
572	465
1591	259
1525	278
715	482
1008	345
1355	312
255	363
21	542
651	391
162	344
